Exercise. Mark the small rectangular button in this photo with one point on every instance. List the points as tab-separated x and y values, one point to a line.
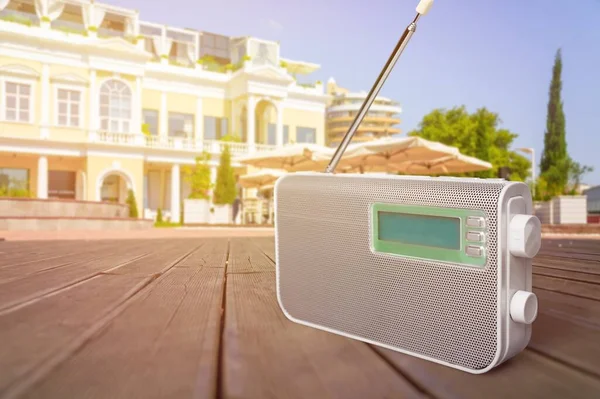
475	221
473	250
475	236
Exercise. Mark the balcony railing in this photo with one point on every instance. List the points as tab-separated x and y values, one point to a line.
175	143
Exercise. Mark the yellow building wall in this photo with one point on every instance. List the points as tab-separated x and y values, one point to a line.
68	134
151	99
216	107
98	166
182	103
19	130
37	90
294	118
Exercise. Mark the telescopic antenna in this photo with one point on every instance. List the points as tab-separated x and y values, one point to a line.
422	9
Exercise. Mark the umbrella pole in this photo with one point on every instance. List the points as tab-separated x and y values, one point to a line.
422	9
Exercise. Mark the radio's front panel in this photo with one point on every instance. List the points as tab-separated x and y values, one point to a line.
405	263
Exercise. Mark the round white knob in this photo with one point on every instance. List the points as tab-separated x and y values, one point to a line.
525	236
523	307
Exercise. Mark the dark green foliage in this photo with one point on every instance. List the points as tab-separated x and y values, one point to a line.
225	191
133	211
554	165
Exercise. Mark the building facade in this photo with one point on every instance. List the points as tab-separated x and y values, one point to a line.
95	102
381	119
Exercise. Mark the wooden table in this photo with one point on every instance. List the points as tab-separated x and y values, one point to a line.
197	317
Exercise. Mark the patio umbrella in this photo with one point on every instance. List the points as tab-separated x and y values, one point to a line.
262	178
291	158
410	155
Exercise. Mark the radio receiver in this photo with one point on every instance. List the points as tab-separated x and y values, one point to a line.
434	267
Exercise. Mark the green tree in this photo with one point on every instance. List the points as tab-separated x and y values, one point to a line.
475	135
225	191
555	165
198	177
133	210
576	172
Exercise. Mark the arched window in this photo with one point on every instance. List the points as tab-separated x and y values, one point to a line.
115	107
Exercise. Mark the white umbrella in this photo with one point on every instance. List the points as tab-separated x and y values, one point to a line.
291	158
411	155
262	178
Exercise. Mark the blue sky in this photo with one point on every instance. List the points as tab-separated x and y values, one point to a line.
496	54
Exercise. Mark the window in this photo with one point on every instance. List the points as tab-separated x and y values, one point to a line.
214	128
272	134
13	181
69	103
151	120
115	107
17	102
306	134
181	125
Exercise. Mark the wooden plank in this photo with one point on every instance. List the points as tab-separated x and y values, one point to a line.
25	269
267	246
529	375
577	288
575	344
267	356
36	332
576	265
583	277
16	252
247	257
13	293
164	344
578	310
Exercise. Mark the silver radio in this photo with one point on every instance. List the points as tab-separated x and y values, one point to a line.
438	268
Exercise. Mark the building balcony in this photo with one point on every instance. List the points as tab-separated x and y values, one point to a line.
174	143
367	119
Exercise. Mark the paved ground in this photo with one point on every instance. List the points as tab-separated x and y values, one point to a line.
198	318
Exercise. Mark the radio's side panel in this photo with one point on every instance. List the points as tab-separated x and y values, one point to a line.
516	270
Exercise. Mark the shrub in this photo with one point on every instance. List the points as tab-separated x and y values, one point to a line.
198	177
159	216
225	192
133	211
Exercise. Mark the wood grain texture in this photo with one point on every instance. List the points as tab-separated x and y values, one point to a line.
199	318
267	356
164	344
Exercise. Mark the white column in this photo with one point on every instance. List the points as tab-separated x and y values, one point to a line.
232	119
163	118
175	193
93	122
42	177
45	111
199	120
250	120
137	107
279	127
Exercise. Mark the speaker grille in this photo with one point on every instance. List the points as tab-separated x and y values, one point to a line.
329	276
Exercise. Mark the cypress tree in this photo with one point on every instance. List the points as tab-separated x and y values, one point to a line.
554	162
225	186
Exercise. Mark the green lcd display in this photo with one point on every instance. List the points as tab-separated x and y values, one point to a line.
425	230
